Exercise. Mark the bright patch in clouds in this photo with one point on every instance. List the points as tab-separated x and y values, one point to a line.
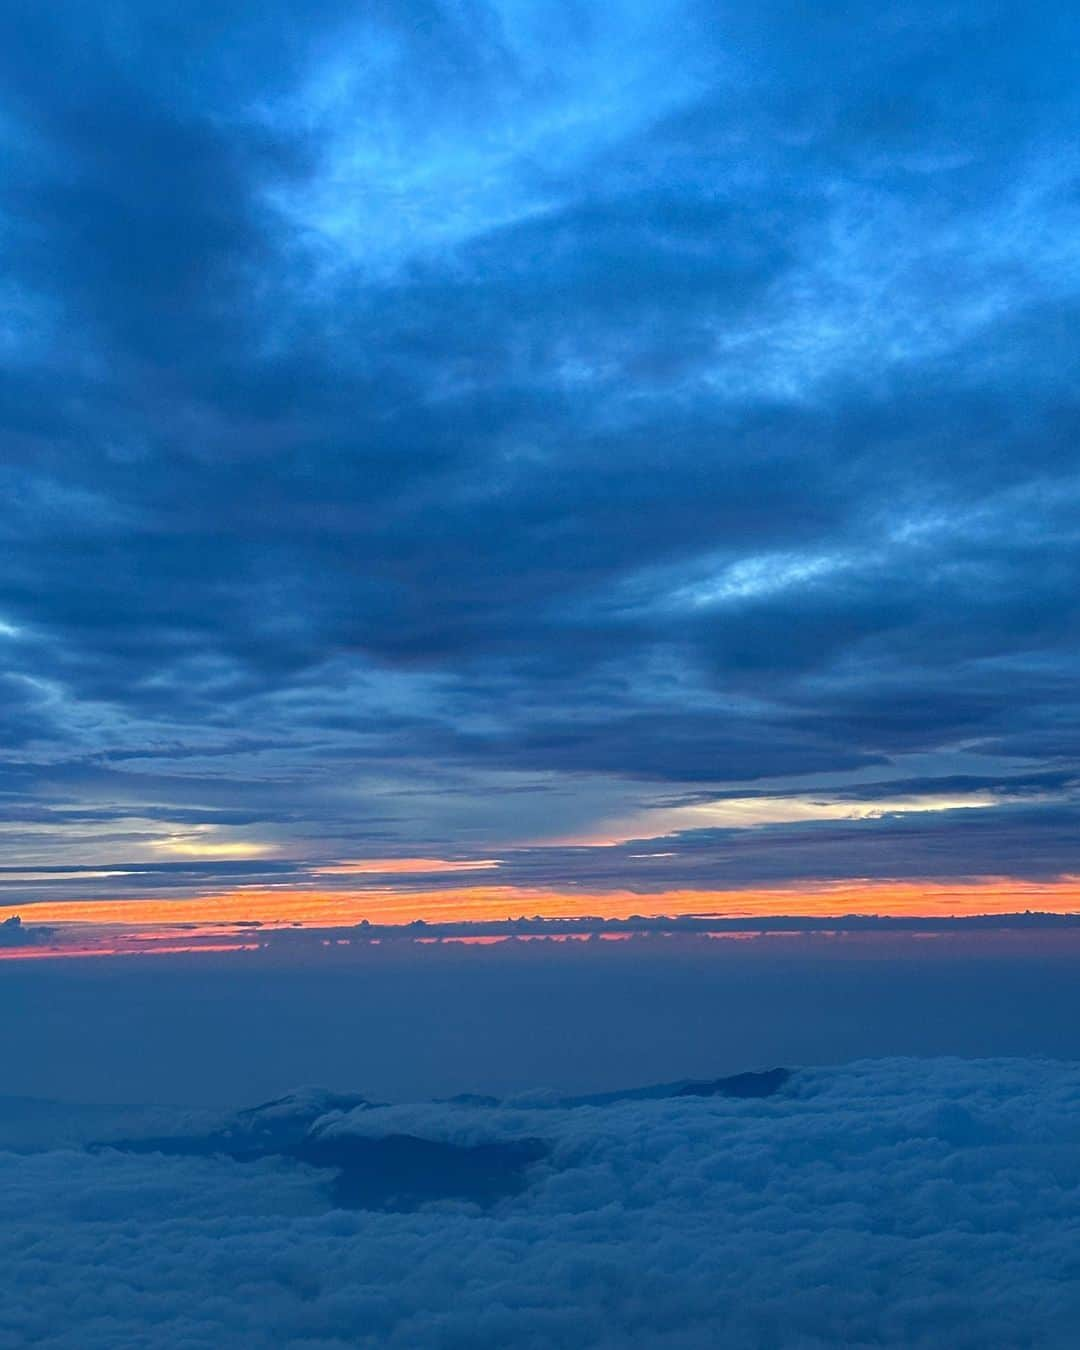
200	843
748	812
755	577
492	134
403	866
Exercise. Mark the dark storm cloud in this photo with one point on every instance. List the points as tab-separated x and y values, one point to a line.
600	399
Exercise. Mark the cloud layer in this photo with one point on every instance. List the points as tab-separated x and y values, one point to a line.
455	426
886	1203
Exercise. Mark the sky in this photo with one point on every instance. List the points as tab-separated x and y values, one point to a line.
539	570
477	459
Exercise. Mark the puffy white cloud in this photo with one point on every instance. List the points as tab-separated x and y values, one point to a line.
913	1203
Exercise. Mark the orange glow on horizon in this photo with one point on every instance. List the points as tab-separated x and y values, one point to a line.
279	907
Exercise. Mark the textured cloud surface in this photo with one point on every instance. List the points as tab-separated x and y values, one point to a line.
898	1203
445	426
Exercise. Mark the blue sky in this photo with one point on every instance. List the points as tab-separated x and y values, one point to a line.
633	442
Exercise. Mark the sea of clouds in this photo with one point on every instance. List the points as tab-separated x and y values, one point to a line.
896	1202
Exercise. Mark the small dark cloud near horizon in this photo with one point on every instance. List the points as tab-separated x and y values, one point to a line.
14	933
436	429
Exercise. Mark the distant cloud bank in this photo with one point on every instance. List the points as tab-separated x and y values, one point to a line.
164	935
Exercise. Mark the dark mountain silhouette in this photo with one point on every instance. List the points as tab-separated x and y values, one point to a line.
400	1171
